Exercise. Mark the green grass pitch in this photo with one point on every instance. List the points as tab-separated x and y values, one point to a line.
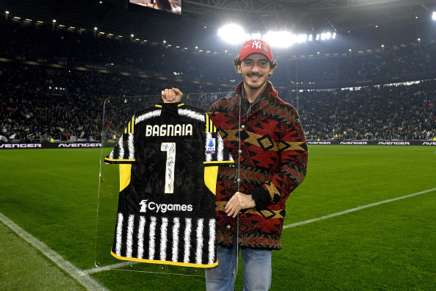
52	194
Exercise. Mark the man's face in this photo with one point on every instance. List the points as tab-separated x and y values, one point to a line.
255	70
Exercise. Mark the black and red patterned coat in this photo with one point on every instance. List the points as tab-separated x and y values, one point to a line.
273	158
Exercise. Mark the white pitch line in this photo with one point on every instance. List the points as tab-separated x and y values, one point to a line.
292	225
107	267
119	265
84	279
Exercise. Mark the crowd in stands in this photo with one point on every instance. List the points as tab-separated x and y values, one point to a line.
413	61
35	108
405	112
39	102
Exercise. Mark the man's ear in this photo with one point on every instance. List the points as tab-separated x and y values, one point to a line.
238	68
273	67
237	64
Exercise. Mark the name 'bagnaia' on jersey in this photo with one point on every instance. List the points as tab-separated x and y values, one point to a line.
168	157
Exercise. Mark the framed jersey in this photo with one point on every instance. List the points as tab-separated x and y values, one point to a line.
168	157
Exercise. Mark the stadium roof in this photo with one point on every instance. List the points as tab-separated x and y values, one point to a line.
297	15
304	14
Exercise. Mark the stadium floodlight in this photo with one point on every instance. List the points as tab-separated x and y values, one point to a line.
7	12
53	21
235	34
95	28
326	35
301	38
132	35
232	33
433	16
280	39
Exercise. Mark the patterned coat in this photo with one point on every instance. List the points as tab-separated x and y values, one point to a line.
273	160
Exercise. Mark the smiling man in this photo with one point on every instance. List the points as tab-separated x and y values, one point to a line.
265	137
266	140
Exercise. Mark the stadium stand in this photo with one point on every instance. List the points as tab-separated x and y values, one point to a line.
55	91
404	112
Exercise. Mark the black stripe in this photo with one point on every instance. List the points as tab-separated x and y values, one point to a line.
205	256
124	235
157	239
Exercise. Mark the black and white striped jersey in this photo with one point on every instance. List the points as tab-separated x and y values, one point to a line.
168	157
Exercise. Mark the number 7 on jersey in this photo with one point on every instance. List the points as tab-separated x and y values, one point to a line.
170	148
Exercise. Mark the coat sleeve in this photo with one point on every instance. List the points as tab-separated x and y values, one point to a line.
292	166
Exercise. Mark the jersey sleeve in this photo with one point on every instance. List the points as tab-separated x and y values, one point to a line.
216	155
124	150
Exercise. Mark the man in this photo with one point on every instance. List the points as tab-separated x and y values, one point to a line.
265	137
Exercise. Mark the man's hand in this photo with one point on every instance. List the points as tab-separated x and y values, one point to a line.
237	202
172	95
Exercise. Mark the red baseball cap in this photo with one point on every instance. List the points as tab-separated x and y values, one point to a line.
256	46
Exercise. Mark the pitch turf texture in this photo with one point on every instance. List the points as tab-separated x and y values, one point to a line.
52	194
